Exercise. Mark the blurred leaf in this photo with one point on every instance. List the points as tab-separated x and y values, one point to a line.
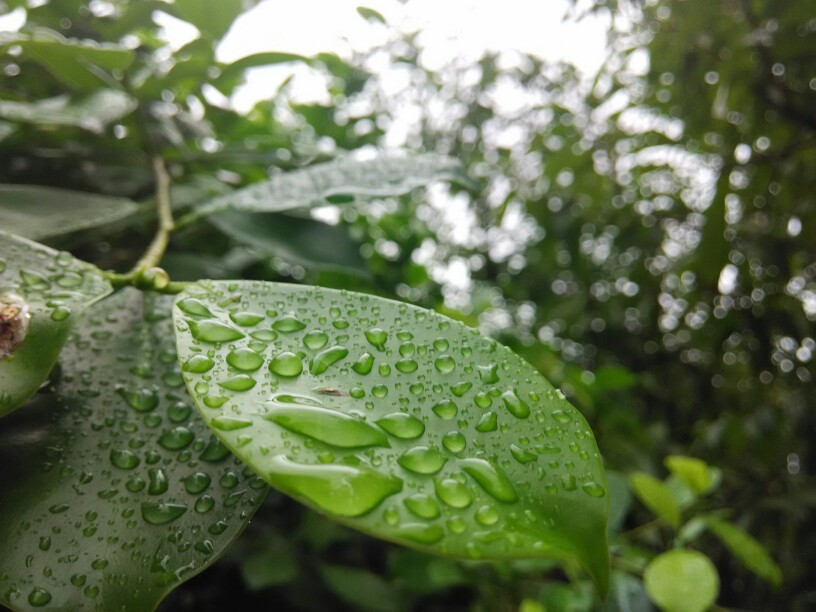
370	14
79	64
362	589
42	212
340	182
747	549
93	112
424	574
114	490
682	581
56	288
306	242
232	73
212	19
656	496
410	477
613	378
696	473
620	499
274	565
566	598
684	496
626	594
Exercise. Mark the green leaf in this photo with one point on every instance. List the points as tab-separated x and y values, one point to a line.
340	182
212	19
231	73
620	499
682	581
747	549
396	421
656	496
370	14
310	243
92	113
364	590
695	473
41	212
56	288
79	64
114	491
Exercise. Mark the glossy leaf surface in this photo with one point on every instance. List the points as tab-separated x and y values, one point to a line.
395	420
40	212
114	490
340	182
56	288
682	581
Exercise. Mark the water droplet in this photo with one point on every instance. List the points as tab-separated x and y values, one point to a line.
406	349
547	449
244	359
487	515
483	400
124	459
215	451
422	505
343	490
197	483
228	423
421	533
594	489
240	382
445	364
142	400
488	374
160	514
176	438
441	344
422	460
39	597
214	400
401	425
179	412
315	339
78	580
515	405
286	364
522	455
379	391
192	306
288	324
488	422
204	504
157	478
377	338
45	543
491	478
459	389
452	492
406	365
561	416
246	319
264	335
321	362
454	441
213	330
60	313
364	364
445	409
329	426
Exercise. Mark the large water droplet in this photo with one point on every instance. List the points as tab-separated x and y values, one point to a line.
176	438
460	388
522	455
422	460
422	505
321	362
377	338
288	324
445	409
406	365
344	490
39	597
364	364
445	364
594	489
240	382
141	400
230	423
401	425
286	364
246	319
491	478
198	364
160	514
192	306
454	441
488	422
315	339
158	483
452	492
213	330
244	359
197	483
124	459
421	533
489	373
329	426
486	515
515	405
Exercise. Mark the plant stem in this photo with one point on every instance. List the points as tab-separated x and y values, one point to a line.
155	251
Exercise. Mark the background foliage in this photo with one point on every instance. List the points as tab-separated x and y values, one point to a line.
645	239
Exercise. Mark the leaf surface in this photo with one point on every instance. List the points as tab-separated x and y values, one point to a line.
682	581
92	113
395	420
41	212
55	288
750	552
114	490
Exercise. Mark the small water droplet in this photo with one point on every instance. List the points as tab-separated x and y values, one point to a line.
522	455
124	459
452	492
445	409
315	339
176	438
488	374
197	482
197	364
160	514
401	425
45	543
483	400
286	364
422	460
487	515
240	382
594	489
377	338
246	319
459	389
421	533
264	335
230	423
441	344
561	416
454	441
204	504
244	359
422	505
60	313
488	422
141	400
158	482
213	330
192	306
321	362
406	365
445	364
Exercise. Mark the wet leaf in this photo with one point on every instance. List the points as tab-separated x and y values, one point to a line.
682	581
92	113
747	549
114	490
340	182
396	421
56	288
41	212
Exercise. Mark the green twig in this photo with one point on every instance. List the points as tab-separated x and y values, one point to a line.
155	251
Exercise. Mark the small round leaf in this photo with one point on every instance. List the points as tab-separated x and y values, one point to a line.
682	581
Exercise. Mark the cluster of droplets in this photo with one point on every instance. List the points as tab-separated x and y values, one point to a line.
136	479
355	403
